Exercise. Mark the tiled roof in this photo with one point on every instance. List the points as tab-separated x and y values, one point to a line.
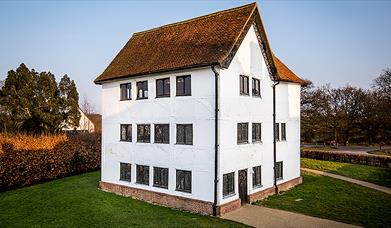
203	41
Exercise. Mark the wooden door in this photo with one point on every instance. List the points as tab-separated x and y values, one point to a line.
243	185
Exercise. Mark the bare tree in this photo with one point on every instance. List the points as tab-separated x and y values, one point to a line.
86	106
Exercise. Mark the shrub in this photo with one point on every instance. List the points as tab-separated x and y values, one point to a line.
364	159
23	167
29	142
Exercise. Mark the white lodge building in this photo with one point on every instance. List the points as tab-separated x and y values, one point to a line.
188	115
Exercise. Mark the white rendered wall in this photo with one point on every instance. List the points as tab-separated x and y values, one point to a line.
235	108
197	109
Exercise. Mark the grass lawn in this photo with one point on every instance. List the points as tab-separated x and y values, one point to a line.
336	200
381	152
318	148
376	175
77	202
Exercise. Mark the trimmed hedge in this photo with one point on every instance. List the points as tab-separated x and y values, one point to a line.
363	159
79	154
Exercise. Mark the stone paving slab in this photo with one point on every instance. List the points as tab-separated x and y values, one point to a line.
351	180
258	216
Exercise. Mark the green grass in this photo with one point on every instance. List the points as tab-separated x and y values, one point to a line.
337	200
318	148
77	202
376	175
386	152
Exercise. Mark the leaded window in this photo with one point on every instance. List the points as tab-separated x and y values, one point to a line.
277	131
256	87
283	131
257	181
242	133
142	90
183	85
160	177
184	134
144	133
126	91
142	174
279	170
244	85
162	133
256	132
183	181
125	171
229	184
163	87
126	132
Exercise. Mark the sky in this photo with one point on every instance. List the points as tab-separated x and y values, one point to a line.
327	42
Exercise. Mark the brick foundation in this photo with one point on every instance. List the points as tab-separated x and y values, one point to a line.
228	207
270	191
192	205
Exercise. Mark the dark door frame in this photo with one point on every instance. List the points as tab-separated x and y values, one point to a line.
242	186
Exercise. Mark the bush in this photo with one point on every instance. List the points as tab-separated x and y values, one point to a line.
364	159
29	142
23	167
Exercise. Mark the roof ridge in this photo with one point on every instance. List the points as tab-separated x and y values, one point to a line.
195	18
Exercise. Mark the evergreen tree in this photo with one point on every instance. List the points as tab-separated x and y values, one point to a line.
69	102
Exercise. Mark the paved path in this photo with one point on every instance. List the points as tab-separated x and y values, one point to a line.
258	216
355	181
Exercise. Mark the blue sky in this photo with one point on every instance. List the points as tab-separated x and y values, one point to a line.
336	42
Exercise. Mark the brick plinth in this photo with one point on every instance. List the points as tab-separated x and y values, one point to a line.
192	205
228	207
270	191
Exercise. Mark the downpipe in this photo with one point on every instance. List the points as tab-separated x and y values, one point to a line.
215	213
274	138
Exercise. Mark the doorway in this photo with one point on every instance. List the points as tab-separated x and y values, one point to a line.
243	186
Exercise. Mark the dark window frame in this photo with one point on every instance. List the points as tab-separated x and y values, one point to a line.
164	89
277	131
241	129
165	135
244	85
183	187
187	137
124	87
257	176
160	177
283	131
186	91
125	175
143	138
143	177
256	87
143	89
279	170
127	139
228	187
255	127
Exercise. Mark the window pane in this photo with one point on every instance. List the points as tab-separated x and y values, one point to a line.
277	131
188	85
142	174
180	86
159	88
180	134
283	131
279	171
125	171
189	134
160	176
167	87
183	181
228	184
257	176
161	133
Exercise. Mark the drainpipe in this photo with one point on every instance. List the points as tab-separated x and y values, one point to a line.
274	138
216	139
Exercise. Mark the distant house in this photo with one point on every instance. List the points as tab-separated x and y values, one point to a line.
85	124
200	115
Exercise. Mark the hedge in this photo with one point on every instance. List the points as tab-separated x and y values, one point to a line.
80	153
359	158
